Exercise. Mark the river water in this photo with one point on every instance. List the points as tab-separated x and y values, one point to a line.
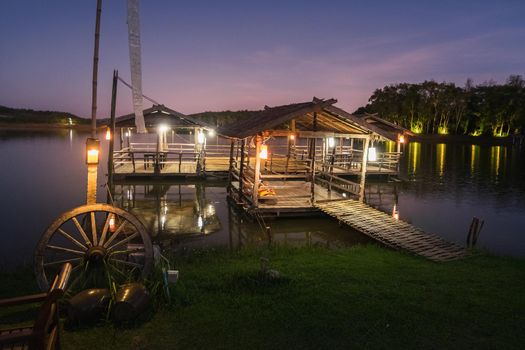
443	186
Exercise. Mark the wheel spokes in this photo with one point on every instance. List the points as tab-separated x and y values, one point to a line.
81	231
126	240
115	234
69	237
64	249
105	229
94	228
59	262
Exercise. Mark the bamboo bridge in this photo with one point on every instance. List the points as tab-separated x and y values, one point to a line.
394	233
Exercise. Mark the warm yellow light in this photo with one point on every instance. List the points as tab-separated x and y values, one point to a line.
200	137
92	151
331	142
372	154
112	224
211	133
401	139
92	156
163	128
108	134
292	137
264	152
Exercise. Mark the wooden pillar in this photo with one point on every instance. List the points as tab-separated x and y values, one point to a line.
112	129
363	169
255	193
230	171
241	170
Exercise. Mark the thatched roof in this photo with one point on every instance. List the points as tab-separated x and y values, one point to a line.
328	119
160	114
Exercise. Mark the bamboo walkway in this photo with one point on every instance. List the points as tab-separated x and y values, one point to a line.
394	233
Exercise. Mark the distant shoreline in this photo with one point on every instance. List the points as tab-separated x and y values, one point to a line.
483	140
45	127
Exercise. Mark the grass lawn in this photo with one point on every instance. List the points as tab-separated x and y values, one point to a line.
361	297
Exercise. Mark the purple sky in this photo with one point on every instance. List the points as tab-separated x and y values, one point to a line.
218	55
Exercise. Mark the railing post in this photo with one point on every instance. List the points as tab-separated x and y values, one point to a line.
363	170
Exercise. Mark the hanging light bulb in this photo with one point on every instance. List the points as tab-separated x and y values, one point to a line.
200	137
263	154
163	128
211	133
292	137
401	139
372	155
108	134
331	142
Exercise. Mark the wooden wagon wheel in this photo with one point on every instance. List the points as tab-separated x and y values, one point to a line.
94	237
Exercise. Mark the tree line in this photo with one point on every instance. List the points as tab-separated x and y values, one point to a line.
444	108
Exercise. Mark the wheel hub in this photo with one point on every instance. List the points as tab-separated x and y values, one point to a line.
96	254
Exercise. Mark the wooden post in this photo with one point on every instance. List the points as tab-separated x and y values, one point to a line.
363	169
95	72
255	193
312	165
112	129
241	170
230	176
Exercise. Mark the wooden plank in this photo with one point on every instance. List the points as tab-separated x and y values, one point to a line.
391	232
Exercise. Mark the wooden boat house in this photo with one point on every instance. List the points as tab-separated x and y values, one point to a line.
284	159
175	145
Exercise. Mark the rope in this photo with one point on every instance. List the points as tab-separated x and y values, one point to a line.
131	87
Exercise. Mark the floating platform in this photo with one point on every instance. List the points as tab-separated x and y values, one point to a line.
394	233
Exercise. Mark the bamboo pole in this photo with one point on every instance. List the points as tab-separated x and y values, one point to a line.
95	72
91	191
112	129
255	193
363	170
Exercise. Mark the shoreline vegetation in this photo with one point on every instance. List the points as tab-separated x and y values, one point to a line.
488	109
326	298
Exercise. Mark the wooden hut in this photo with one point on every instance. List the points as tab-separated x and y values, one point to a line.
283	159
175	145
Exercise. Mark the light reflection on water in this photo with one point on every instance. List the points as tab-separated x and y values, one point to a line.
444	186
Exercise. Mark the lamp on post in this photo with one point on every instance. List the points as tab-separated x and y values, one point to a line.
92	151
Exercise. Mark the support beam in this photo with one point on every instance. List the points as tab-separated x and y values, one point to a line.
241	170
112	129
363	170
255	193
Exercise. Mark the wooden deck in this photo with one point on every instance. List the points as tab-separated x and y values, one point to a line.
212	165
391	232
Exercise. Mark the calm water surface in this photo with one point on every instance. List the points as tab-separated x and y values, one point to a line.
443	187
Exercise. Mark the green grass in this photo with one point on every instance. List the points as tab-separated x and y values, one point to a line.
362	297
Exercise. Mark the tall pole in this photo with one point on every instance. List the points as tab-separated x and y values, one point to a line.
112	128
91	196
95	73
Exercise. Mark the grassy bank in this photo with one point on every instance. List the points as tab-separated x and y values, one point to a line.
362	297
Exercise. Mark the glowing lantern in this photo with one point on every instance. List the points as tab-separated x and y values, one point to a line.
108	134
200	137
112	224
401	139
292	137
331	142
163	128
264	152
200	222
211	133
395	212
92	150
372	155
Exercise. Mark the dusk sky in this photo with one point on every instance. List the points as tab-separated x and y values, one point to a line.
219	55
